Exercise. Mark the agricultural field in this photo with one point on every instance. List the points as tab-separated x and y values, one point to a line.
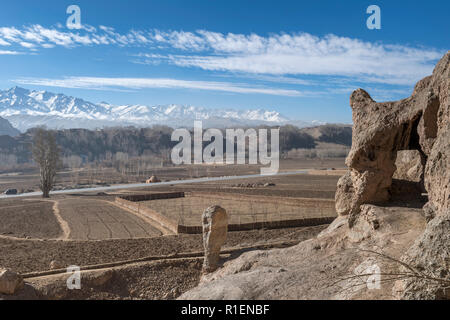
28	219
35	255
28	179
241	210
88	229
99	220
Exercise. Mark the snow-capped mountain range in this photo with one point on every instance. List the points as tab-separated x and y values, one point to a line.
26	109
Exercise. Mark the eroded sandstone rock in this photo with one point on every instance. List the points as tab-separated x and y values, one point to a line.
420	122
215	228
310	269
409	166
54	265
10	281
430	256
410	137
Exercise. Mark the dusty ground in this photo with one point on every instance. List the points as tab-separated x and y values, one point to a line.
21	218
162	280
98	220
90	217
123	236
35	255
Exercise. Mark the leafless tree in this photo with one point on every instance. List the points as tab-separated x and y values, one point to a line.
46	155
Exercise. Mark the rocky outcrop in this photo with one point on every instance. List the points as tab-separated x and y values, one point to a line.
381	130
393	239
409	166
320	268
411	138
408	179
215	228
54	265
10	282
430	256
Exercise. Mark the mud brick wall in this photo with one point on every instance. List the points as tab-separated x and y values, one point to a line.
153	196
151	214
307	222
132	202
322	203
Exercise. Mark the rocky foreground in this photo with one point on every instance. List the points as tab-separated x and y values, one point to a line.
379	247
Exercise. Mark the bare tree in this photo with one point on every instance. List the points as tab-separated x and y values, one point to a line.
46	155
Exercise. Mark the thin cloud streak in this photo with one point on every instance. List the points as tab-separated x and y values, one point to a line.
10	53
98	83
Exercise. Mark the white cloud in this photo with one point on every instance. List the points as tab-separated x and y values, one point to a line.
11	53
97	83
4	43
11	34
27	45
305	54
278	55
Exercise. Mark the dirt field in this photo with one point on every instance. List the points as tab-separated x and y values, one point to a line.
28	181
153	281
241	210
24	218
298	186
36	255
97	231
98	220
156	280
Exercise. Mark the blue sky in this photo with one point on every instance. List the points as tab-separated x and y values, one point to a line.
301	58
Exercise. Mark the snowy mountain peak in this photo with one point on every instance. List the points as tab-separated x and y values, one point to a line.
18	91
28	108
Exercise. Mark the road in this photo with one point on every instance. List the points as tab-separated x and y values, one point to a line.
141	185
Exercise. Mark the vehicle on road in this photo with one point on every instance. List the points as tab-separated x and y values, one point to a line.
10	192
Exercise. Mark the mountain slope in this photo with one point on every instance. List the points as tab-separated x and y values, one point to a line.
6	129
26	109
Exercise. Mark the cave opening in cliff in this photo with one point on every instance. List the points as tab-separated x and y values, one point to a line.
408	179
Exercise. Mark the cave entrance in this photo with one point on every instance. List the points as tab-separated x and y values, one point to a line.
408	179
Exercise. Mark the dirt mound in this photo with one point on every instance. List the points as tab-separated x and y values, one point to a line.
160	280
